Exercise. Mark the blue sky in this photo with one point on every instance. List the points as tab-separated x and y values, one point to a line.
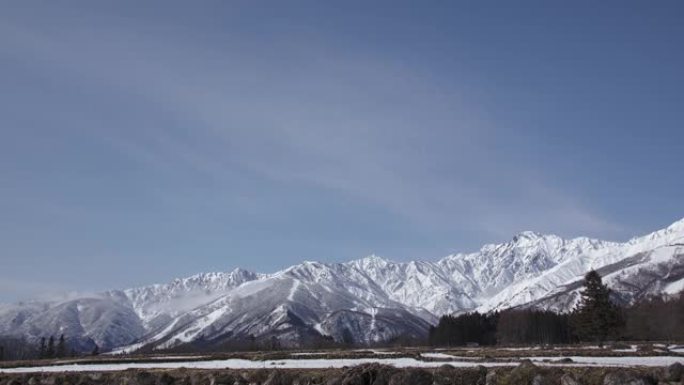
140	142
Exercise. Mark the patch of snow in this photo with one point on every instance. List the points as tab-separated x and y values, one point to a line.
675	287
317	326
383	352
630	350
244	364
339	363
310	354
438	355
615	361
521	349
293	290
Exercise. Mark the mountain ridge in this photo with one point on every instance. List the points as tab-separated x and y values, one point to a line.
363	301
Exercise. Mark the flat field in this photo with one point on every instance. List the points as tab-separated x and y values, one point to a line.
631	355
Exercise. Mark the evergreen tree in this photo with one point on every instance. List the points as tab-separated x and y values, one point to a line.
656	319
464	329
275	343
43	351
596	317
96	350
61	347
2	352
530	326
50	353
252	342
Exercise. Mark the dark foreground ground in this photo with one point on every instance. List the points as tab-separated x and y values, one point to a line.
371	374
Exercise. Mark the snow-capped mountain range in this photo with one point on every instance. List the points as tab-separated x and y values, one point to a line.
362	301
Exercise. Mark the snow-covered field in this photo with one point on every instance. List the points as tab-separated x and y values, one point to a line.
243	364
447	357
311	363
614	361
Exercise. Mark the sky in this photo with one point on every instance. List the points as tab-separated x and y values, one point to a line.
142	141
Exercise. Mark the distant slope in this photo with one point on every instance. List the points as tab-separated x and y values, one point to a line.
362	301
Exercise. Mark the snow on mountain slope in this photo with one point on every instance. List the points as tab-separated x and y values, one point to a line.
640	267
86	321
361	301
289	303
181	295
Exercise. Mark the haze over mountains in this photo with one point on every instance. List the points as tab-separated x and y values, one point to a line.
363	301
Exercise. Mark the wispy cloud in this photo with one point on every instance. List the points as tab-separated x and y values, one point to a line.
355	124
13	289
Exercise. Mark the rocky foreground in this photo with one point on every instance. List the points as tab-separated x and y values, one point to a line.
373	374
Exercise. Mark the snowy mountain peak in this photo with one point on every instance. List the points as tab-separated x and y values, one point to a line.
671	235
677	226
373	260
238	272
676	229
525	236
367	299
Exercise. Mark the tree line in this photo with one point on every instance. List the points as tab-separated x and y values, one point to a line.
656	319
595	319
19	348
508	327
49	350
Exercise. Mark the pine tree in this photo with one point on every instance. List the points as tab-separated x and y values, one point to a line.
595	317
61	347
50	353
43	350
